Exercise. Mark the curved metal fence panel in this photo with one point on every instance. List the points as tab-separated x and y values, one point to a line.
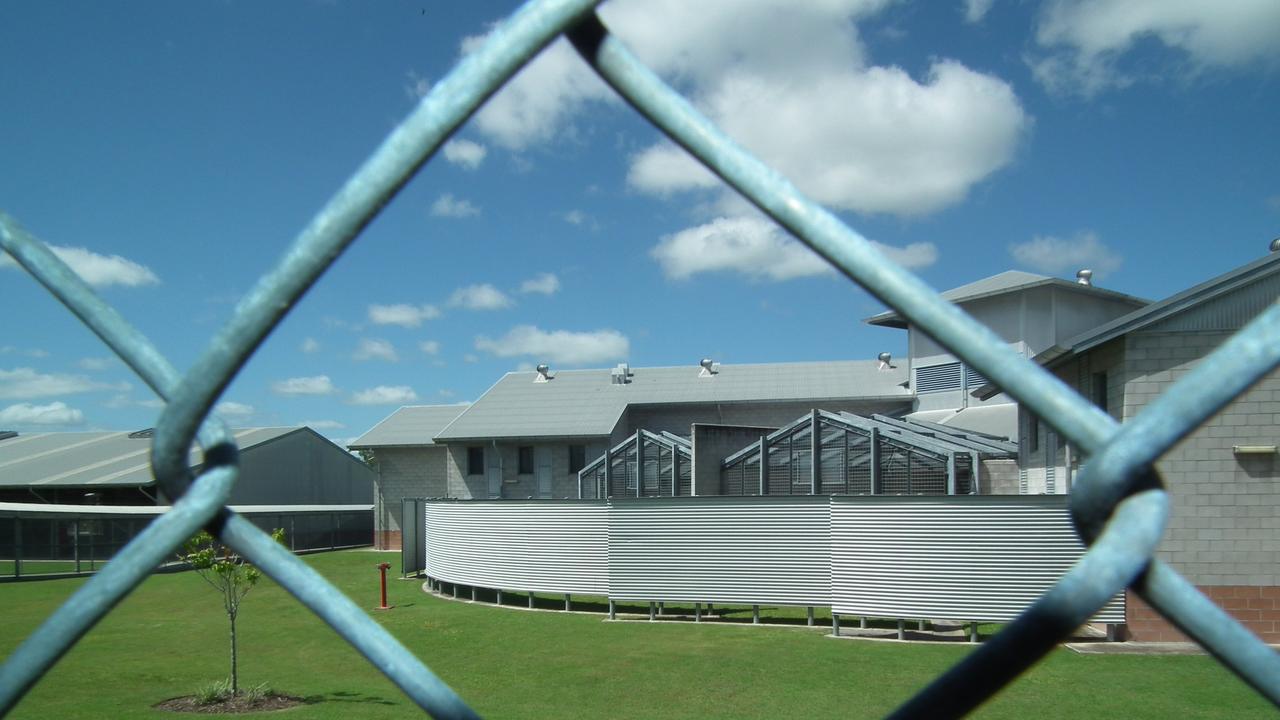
765	551
955	558
1118	503
536	545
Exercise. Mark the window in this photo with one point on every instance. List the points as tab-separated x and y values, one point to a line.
1033	433
475	460
1100	390
525	453
577	457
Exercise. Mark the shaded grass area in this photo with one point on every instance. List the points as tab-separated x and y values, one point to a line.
170	637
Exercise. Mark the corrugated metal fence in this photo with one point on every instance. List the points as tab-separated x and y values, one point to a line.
1118	504
953	557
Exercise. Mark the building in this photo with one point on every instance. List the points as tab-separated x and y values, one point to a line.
278	466
407	462
531	433
1224	530
1030	312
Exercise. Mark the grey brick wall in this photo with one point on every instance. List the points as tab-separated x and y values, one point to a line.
1226	508
404	473
998	477
1223	529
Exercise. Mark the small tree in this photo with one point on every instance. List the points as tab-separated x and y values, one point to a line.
227	573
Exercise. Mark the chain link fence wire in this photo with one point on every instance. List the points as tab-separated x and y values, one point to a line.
1118	504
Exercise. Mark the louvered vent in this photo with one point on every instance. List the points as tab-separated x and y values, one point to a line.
973	379
938	378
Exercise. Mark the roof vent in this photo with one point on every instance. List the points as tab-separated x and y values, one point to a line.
709	367
1275	245
621	375
544	373
1084	277
886	361
142	434
6	434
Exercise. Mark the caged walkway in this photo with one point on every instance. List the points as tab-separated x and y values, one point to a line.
1118	502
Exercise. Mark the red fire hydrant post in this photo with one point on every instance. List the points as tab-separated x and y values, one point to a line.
382	570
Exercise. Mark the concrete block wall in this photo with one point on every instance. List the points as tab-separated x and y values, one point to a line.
998	477
1224	528
409	472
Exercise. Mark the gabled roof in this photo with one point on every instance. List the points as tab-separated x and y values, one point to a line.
1178	303
1008	281
410	426
585	403
83	459
1189	299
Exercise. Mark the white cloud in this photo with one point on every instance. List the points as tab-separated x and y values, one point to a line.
24	383
975	10
915	147
915	255
470	358
752	246
758	248
465	153
543	284
385	395
448	206
30	352
323	424
98	270
96	363
851	135
375	349
233	410
558	346
429	347
55	413
315	385
540	100
1053	255
1086	39
480	297
310	345
416	87
410	316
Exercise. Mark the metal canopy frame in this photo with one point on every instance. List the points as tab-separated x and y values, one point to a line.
646	464
859	455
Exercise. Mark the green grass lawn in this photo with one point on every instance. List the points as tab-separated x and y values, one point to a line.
170	636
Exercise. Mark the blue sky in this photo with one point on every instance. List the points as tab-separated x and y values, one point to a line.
174	150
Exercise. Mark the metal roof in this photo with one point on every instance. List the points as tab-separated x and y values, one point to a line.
1006	282
1177	303
97	458
586	403
1191	298
997	421
412	425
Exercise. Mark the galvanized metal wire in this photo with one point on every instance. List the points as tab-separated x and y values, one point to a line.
1119	504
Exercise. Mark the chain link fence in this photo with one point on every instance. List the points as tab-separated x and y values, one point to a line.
1118	503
